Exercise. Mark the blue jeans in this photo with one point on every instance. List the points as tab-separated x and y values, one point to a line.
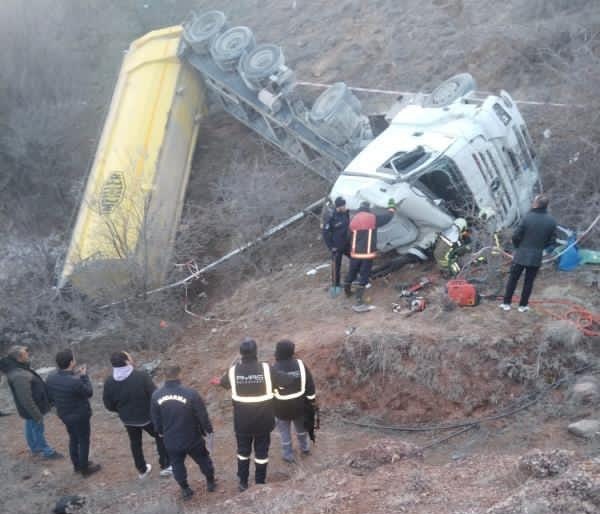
34	435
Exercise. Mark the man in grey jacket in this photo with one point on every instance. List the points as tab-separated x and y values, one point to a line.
536	231
31	399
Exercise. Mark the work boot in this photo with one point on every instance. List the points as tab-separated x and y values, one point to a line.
211	485
360	291
90	470
348	290
242	486
260	473
186	493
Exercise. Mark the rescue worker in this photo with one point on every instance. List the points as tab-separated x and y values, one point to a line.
31	399
290	402
179	416
335	235
128	392
363	246
70	390
252	384
450	245
536	231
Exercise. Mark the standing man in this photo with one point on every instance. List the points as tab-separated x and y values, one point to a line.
70	391
363	247
252	383
536	231
128	392
335	235
179	416
290	402
31	399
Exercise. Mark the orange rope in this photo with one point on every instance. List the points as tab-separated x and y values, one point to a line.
587	322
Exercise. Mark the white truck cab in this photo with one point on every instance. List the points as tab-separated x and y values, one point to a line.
440	160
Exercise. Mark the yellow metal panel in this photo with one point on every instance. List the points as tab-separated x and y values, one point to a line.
127	220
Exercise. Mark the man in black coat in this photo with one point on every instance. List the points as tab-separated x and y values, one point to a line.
252	384
31	399
179	416
336	237
536	231
70	391
128	392
290	401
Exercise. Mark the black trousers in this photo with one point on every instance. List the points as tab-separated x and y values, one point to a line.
515	273
261	456
199	455
360	268
79	441
135	441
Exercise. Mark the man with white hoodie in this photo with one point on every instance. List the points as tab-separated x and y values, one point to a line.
128	392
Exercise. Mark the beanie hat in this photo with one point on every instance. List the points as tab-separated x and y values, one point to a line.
364	206
340	202
284	350
248	348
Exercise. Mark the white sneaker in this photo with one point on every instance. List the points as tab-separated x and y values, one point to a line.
523	308
148	470
505	306
167	472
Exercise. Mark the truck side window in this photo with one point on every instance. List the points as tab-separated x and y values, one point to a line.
513	160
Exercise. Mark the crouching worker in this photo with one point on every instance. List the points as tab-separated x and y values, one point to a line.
450	245
252	383
290	401
179	416
128	392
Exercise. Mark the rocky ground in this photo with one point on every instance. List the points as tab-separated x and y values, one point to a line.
443	365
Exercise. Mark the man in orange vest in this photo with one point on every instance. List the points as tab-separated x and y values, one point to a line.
363	246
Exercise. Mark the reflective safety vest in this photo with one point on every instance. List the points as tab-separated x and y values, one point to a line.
363	243
302	390
268	387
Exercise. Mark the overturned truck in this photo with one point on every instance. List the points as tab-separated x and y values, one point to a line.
439	156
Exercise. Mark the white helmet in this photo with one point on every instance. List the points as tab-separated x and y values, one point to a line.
461	223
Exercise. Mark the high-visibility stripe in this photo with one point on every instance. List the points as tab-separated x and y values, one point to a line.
252	399
298	394
261	461
311	396
353	249
369	237
242	457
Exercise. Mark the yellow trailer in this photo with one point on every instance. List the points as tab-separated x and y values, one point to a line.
124	234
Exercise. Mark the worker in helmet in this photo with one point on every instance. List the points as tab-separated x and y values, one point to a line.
450	245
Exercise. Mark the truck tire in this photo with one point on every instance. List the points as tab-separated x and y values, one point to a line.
200	31
260	63
227	49
450	90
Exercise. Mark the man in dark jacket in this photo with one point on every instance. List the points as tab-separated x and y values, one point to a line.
363	246
290	402
335	235
70	389
128	392
31	399
179	416
252	384
536	231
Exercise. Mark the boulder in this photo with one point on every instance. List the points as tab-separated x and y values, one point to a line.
586	428
380	453
586	391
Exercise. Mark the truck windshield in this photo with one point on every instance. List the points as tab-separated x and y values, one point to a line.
443	181
405	162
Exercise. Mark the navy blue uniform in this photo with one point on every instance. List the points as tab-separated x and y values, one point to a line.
179	416
335	235
252	384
